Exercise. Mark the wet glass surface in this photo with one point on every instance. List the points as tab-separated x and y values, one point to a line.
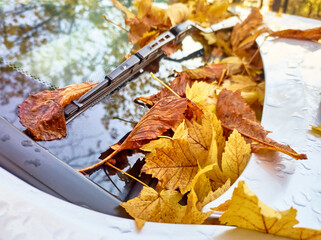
56	43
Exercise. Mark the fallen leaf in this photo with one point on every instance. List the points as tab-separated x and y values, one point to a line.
236	156
200	188
212	195
175	166
234	113
43	113
188	77
164	115
251	90
178	85
243	30
247	211
313	34
155	207
207	73
206	13
151	20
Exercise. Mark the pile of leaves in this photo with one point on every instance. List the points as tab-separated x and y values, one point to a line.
199	132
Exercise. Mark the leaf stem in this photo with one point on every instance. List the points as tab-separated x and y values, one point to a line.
118	169
117	25
164	84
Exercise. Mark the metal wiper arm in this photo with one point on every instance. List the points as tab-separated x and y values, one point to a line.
133	66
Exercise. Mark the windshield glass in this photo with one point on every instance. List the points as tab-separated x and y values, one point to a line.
50	44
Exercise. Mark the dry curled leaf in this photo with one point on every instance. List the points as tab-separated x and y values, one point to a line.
313	34
43	113
234	113
243	30
247	211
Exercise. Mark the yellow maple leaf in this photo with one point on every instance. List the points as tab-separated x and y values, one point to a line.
174	165
236	156
212	195
200	188
155	207
247	211
199	91
234	159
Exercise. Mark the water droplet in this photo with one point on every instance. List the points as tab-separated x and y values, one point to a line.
273	104
305	165
37	150
3	208
307	196
279	167
292	64
317	208
35	162
299	200
311	137
297	115
26	143
5	138
289	167
61	234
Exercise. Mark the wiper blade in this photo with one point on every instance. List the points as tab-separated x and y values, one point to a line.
134	65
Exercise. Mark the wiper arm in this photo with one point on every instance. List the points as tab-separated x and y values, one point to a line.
134	65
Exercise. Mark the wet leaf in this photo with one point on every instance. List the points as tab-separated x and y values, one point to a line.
234	113
247	211
43	113
313	34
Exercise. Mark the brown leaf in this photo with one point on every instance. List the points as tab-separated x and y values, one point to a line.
164	115
243	30
152	20
43	113
178	85
313	34
208	73
234	113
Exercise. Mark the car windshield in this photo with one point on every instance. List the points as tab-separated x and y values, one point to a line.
51	44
